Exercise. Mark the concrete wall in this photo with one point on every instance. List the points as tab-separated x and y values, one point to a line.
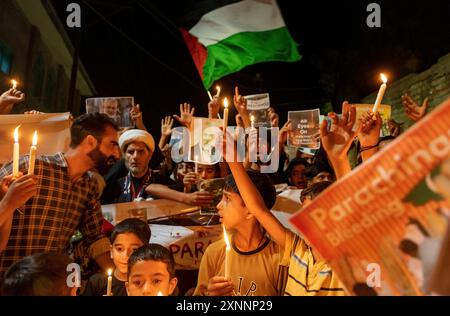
433	83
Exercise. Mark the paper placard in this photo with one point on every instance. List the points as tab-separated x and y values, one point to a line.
305	129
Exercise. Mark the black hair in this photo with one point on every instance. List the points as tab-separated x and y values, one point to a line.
314	190
90	124
153	252
42	274
262	183
134	226
295	162
316	168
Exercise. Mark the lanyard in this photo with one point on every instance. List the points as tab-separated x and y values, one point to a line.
129	188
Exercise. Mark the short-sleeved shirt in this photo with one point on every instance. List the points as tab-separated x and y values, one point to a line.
48	220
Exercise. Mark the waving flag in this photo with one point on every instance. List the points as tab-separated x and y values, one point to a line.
226	36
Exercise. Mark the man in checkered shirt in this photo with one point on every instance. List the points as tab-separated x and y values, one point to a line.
67	196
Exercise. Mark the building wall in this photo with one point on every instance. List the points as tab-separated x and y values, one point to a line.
433	83
41	77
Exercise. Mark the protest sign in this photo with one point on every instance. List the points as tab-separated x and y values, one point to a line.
305	129
258	108
215	187
53	134
371	224
117	108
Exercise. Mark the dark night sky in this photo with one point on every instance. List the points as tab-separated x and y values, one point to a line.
342	57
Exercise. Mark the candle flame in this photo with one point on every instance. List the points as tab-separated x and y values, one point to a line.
35	139
225	237
218	90
252	118
16	134
225	103
14	84
109	272
160	293
383	78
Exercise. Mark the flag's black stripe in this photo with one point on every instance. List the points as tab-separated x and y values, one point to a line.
194	10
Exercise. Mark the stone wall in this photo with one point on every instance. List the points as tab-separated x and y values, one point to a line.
433	83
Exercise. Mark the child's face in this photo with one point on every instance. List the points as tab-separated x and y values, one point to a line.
150	278
206	171
122	248
232	210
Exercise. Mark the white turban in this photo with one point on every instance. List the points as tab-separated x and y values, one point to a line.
136	135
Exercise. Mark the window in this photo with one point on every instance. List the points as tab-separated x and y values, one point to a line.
5	59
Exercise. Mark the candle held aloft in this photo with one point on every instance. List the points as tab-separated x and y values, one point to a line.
14	84
380	94
109	287
225	114
209	95
16	152
227	254
33	150
218	91
252	120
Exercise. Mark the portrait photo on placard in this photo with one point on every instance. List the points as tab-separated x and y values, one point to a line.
117	108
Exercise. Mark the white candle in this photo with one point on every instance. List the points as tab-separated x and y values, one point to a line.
16	152
227	254
218	91
109	287
252	120
160	293
380	94
33	149
225	115
209	95
14	84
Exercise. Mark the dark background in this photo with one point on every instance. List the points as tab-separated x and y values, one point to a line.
133	47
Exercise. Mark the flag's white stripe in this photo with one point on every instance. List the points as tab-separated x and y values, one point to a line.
244	16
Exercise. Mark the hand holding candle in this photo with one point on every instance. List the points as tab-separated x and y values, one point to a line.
227	254
16	152
380	94
33	149
109	287
14	84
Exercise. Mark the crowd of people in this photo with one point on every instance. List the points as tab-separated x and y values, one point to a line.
54	217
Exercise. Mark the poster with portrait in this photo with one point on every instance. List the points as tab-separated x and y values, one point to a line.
117	108
205	135
377	224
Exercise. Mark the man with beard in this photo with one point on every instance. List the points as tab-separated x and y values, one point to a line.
137	147
67	196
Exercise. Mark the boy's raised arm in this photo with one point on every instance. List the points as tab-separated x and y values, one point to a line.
255	204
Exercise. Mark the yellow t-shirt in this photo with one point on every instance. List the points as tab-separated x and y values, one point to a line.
253	273
309	276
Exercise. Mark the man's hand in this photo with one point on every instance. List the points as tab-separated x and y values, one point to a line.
219	286
9	98
240	103
17	192
137	118
284	133
370	129
274	119
166	126
338	140
186	115
213	107
412	110
199	198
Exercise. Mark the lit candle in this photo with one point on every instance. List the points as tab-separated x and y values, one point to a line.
196	164
33	149
14	84
218	91
160	293
225	114
252	120
209	95
16	153
227	254
380	94
108	289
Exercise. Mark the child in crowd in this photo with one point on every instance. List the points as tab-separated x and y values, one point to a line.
254	258
42	274
127	236
151	272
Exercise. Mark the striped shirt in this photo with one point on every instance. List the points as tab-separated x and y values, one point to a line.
309	276
51	217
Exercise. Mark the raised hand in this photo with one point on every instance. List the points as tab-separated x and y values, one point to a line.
186	115
214	107
16	192
412	110
274	119
370	129
166	126
9	98
338	140
136	117
284	132
240	103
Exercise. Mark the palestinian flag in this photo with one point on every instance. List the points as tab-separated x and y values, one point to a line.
226	36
